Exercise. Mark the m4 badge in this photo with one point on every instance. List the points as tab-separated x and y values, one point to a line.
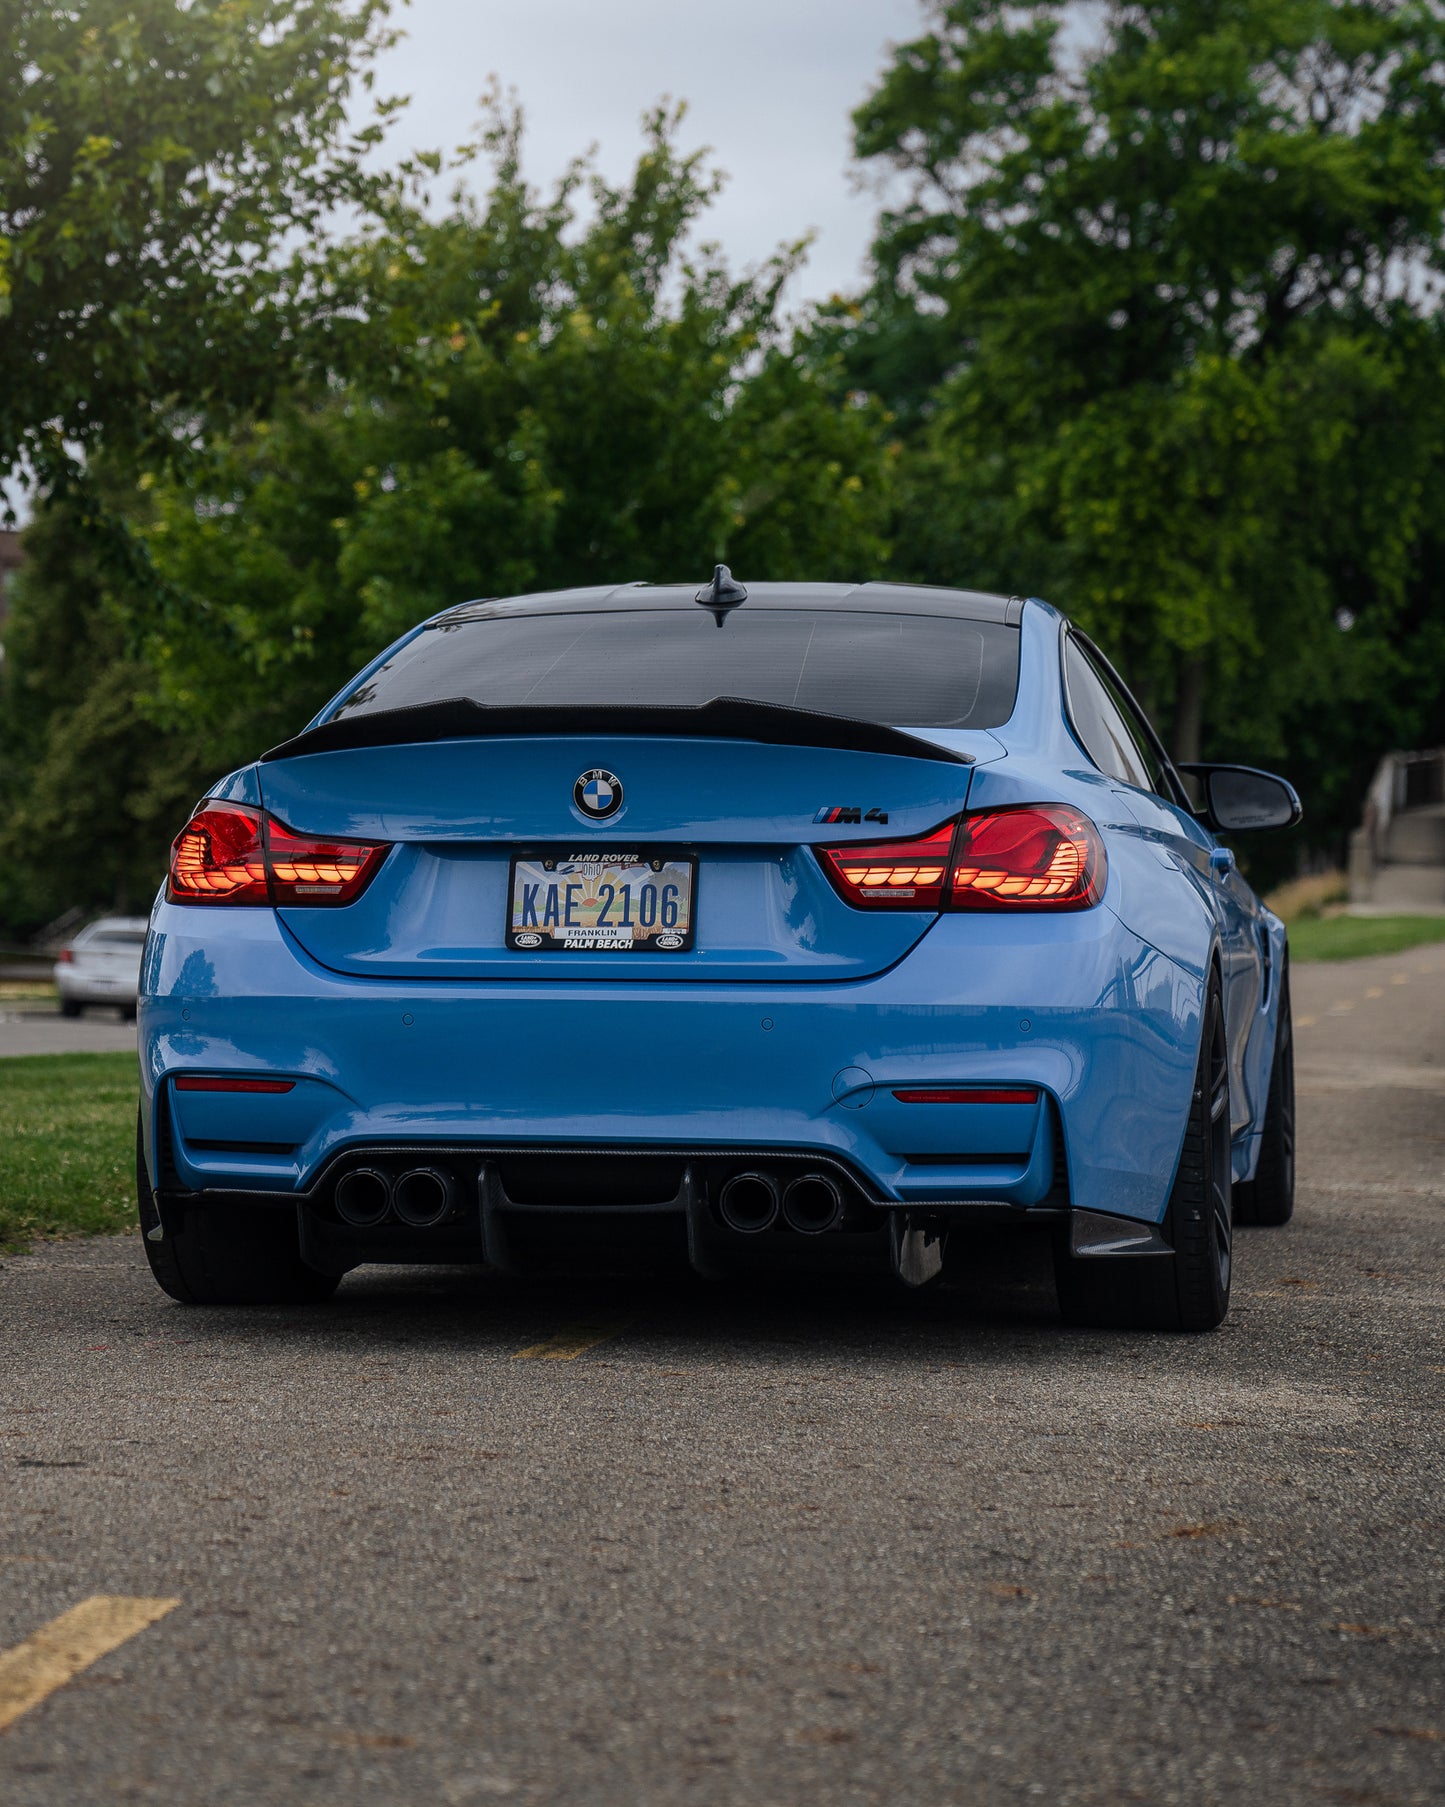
839	812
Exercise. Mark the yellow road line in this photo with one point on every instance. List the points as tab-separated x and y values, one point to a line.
568	1344
52	1656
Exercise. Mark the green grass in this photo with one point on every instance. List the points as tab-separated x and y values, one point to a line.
1356	937
67	1146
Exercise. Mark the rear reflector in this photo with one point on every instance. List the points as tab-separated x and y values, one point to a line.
194	1082
969	1095
1036	856
230	853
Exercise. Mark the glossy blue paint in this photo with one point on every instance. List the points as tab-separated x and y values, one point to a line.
439	912
242	786
1113	1026
403	1016
718	792
289	1117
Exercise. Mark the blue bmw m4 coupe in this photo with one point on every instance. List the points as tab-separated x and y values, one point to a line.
759	928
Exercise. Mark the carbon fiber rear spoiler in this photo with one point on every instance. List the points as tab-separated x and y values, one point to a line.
724	718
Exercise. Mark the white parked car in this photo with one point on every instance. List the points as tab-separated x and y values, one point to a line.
102	965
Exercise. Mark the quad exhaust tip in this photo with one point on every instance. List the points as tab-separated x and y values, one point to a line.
423	1197
812	1205
749	1203
363	1197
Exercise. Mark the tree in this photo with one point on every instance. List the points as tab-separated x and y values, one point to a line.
1158	306
164	165
90	790
539	403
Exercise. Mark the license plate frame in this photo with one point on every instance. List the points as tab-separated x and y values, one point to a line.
591	870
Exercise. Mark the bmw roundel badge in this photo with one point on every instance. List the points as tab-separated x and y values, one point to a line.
598	794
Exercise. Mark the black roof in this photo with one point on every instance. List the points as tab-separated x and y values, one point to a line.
869	598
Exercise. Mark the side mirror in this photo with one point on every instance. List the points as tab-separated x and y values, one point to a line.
1239	798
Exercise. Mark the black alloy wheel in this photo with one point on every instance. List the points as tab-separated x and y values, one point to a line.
222	1254
1269	1197
1200	1222
1188	1290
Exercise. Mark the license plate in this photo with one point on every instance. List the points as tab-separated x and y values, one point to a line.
614	901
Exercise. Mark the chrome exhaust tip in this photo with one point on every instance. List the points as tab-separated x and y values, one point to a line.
423	1197
363	1197
749	1203
812	1205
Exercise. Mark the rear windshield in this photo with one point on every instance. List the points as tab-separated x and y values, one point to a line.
924	671
117	938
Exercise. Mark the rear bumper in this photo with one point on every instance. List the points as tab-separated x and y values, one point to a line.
1100	1024
533	1209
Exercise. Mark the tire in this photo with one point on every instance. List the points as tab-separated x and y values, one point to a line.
1269	1197
226	1254
1190	1289
71	1007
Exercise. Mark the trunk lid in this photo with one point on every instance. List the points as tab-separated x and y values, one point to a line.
457	811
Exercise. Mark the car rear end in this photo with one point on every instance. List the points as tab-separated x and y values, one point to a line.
578	928
101	965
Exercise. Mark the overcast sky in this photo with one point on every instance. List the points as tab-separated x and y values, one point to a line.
769	84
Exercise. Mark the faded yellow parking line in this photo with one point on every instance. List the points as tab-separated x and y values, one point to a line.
568	1344
52	1656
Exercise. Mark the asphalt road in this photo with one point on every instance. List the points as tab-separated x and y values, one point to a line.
40	1029
794	1547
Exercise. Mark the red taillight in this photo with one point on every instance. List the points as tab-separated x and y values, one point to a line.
1044	856
231	853
1036	856
893	875
308	871
218	857
196	1082
66	956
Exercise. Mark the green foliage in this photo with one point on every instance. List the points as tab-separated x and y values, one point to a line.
1157	306
1359	937
159	162
91	791
540	403
67	1159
